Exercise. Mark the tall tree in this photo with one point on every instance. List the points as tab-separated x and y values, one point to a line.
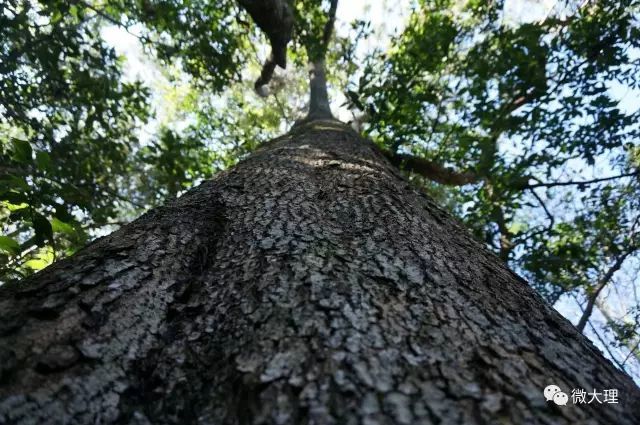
311	283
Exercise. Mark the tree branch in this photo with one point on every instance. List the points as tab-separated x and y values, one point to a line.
506	237
578	183
118	23
544	207
268	68
328	27
522	100
602	306
602	283
275	19
432	170
632	351
606	347
604	344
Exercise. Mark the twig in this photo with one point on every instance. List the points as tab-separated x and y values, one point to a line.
631	352
584	182
602	283
544	207
604	344
328	27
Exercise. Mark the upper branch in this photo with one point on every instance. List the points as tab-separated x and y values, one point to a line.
328	27
600	286
579	183
275	19
432	170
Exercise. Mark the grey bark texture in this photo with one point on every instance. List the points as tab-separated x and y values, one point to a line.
310	284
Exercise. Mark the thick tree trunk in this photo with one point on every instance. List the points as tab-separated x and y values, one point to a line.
310	284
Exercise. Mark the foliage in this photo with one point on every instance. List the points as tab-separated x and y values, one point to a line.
530	108
71	161
203	36
65	130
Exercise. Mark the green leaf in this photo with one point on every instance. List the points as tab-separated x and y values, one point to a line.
22	151
15	182
353	96
36	264
43	160
9	245
42	259
59	226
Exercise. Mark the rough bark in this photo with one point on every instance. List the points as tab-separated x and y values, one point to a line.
310	284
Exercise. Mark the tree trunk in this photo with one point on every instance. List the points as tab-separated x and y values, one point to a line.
309	284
